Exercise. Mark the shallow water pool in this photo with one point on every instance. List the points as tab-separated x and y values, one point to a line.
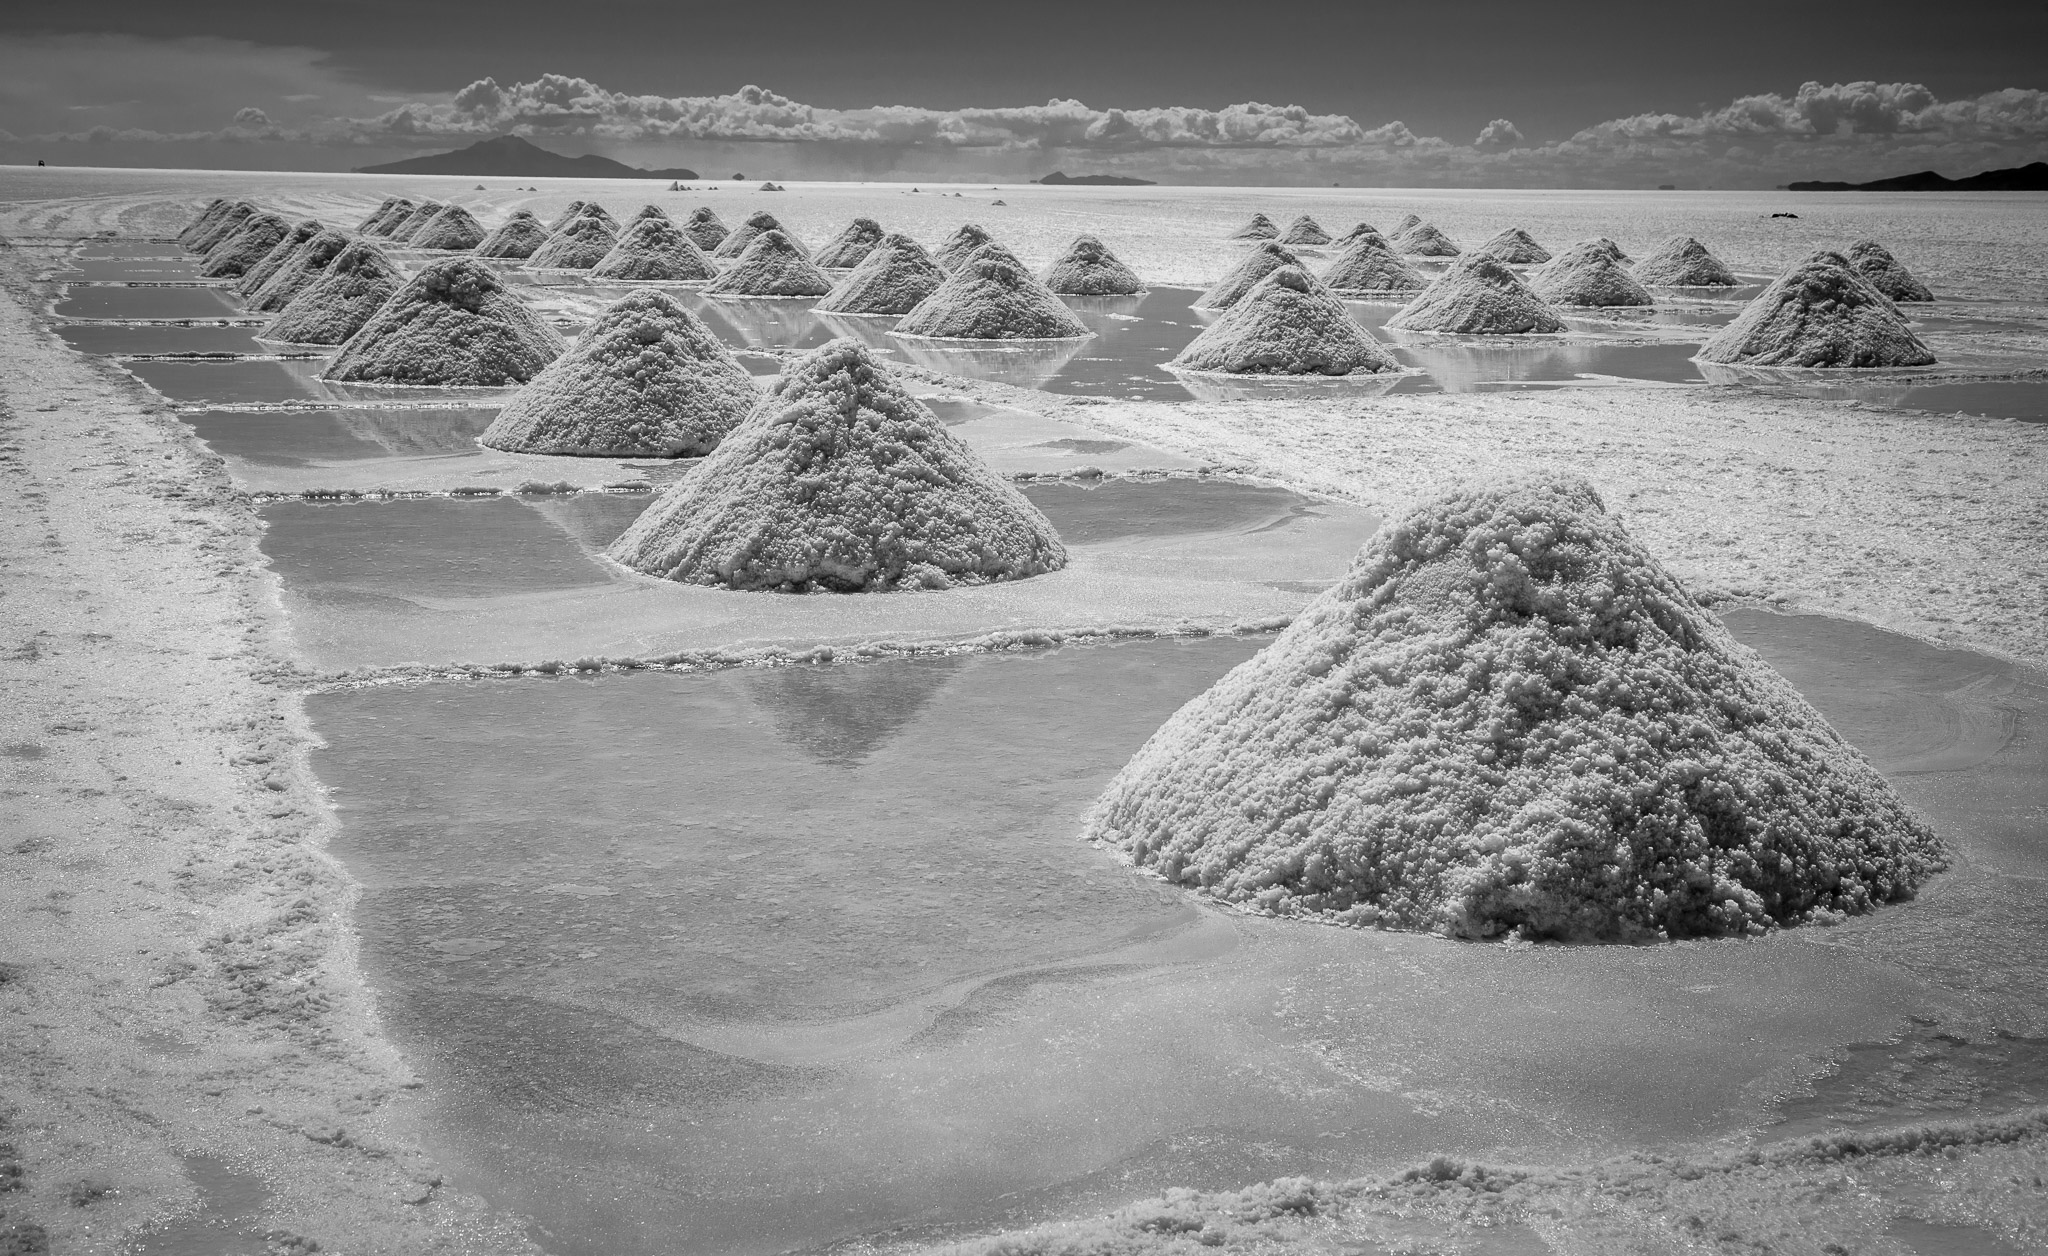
298	438
121	301
130	338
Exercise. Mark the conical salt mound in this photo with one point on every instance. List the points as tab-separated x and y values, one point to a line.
1424	240
772	266
355	285
655	249
1262	261
741	240
896	276
1683	262
1477	296
650	211
280	253
1507	716
992	298
423	213
570	213
578	246
228	221
1364	228
1610	247
1369	264
646	380
246	246
1409	222
452	323
204	219
1588	274
1516	247
454	229
1288	324
841	481
1883	272
954	251
1819	313
704	228
1259	228
519	237
850	247
305	267
383	211
1305	230
1089	269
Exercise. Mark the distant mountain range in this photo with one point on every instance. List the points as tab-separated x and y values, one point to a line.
509	157
2028	178
1057	178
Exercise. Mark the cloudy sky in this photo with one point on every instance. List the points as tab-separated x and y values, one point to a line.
1738	94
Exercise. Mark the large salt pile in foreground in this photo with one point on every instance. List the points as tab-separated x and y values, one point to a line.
452	323
1089	269
580	245
896	276
647	379
1238	280
519	237
655	249
1516	247
1507	715
303	269
454	229
1259	228
204	219
1369	264
1288	324
841	481
955	250
1884	272
229	219
355	285
704	228
245	246
1424	240
1477	296
741	240
851	246
1588	273
773	266
1819	313
280	253
1683	262
1305	230
992	298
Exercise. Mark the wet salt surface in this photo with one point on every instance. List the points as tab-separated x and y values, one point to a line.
84	301
2025	399
1929	1238
301	438
290	382
128	338
148	269
226	1220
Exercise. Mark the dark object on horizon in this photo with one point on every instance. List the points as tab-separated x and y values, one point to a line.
2032	177
1057	177
739	176
508	156
1784	214
1667	187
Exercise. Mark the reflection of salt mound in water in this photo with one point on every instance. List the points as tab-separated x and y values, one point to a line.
840	714
841	481
1683	262
850	247
1588	274
1884	272
1238	280
422	214
204	219
229	219
1018	363
1089	269
1424	240
704	228
1259	228
452	323
655	249
280	253
1288	324
355	285
1477	296
960	245
518	237
1819	313
1516	247
1369	264
383	212
454	229
772	266
245	246
579	246
1305	230
992	298
305	268
646	380
894	277
1508	715
755	225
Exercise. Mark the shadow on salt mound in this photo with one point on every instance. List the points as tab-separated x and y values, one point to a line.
303	269
655	250
244	247
279	255
1509	717
756	224
580	245
705	229
772	266
518	237
1288	324
1885	273
1820	313
960	245
333	307
1305	230
1683	262
992	297
1369	264
1516	247
840	481
896	274
1089	269
1589	274
1259	227
851	246
1477	296
454	229
1238	280
454	323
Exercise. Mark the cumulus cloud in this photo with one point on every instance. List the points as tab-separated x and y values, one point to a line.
1499	133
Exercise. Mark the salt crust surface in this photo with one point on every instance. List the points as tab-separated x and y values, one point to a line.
1588	273
893	279
1515	247
959	245
1477	296
1506	716
741	240
245	246
454	229
307	264
1259	227
851	246
772	266
518	237
280	253
1886	273
1288	324
1424	240
1369	264
1089	269
1683	262
452	323
355	285
1238	280
1820	313
1305	230
654	248
705	228
213	233
647	378
841	481
580	245
992	297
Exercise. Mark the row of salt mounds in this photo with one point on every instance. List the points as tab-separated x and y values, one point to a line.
841	481
896	276
1820	313
704	228
280	253
992	297
1423	240
378	216
355	285
453	230
245	246
518	237
851	246
772	266
1288	324
655	249
647	379
581	244
1477	296
961	245
1516	247
1507	715
203	220
401	229
1369	264
1683	262
1886	273
453	323
1259	228
1238	280
1305	230
229	219
1587	273
756	224
295	276
1089	269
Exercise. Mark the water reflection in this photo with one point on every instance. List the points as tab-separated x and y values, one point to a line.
760	323
300	438
1020	363
1204	386
841	715
1458	364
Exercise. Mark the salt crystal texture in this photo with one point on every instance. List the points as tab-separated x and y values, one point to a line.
1259	228
1884	272
1305	230
1424	240
647	379
1820	313
1089	269
1288	324
454	229
741	240
1238	280
896	276
841	481
453	323
772	266
280	253
954	251
355	285
1506	716
228	220
1369	264
704	228
518	237
992	298
580	245
1477	296
245	246
1683	262
851	246
305	267
1587	273
655	249
1516	247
